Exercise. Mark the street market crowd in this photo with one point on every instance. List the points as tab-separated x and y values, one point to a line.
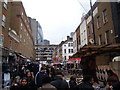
32	76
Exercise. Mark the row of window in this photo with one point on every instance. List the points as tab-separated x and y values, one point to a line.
107	38
3	16
2	41
69	45
3	20
65	57
69	51
105	19
38	48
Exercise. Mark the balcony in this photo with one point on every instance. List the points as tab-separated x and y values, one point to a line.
13	35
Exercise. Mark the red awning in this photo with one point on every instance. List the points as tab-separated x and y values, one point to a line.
74	59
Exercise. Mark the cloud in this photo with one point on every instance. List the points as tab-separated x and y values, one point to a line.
57	17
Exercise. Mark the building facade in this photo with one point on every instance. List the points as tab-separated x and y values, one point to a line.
64	51
16	41
102	40
74	43
46	42
21	25
67	49
44	53
83	33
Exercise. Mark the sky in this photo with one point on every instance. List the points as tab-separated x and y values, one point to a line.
58	18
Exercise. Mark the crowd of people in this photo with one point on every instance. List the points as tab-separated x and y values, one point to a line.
35	77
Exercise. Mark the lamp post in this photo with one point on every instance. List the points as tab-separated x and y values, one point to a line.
92	22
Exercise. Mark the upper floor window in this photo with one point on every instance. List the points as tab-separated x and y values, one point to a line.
71	50
105	16
5	4
22	15
3	20
64	50
88	28
100	39
107	37
1	39
98	22
68	44
10	44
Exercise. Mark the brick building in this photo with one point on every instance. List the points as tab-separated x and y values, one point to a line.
98	53
16	42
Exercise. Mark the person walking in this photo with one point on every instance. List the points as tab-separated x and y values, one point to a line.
59	83
40	76
72	82
46	84
86	84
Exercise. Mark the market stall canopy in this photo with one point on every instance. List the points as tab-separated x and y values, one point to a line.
74	59
77	60
89	50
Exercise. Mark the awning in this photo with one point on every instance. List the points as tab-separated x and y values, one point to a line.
89	50
74	59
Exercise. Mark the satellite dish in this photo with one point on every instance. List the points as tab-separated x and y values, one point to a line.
91	40
117	58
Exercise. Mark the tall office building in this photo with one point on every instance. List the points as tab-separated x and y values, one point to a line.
37	33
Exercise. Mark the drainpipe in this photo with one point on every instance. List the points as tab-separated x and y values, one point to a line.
93	22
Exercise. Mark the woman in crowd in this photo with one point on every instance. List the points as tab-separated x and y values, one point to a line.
31	81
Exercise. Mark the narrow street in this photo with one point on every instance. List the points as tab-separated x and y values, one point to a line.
58	44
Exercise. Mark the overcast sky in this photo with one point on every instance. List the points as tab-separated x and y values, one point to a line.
57	17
